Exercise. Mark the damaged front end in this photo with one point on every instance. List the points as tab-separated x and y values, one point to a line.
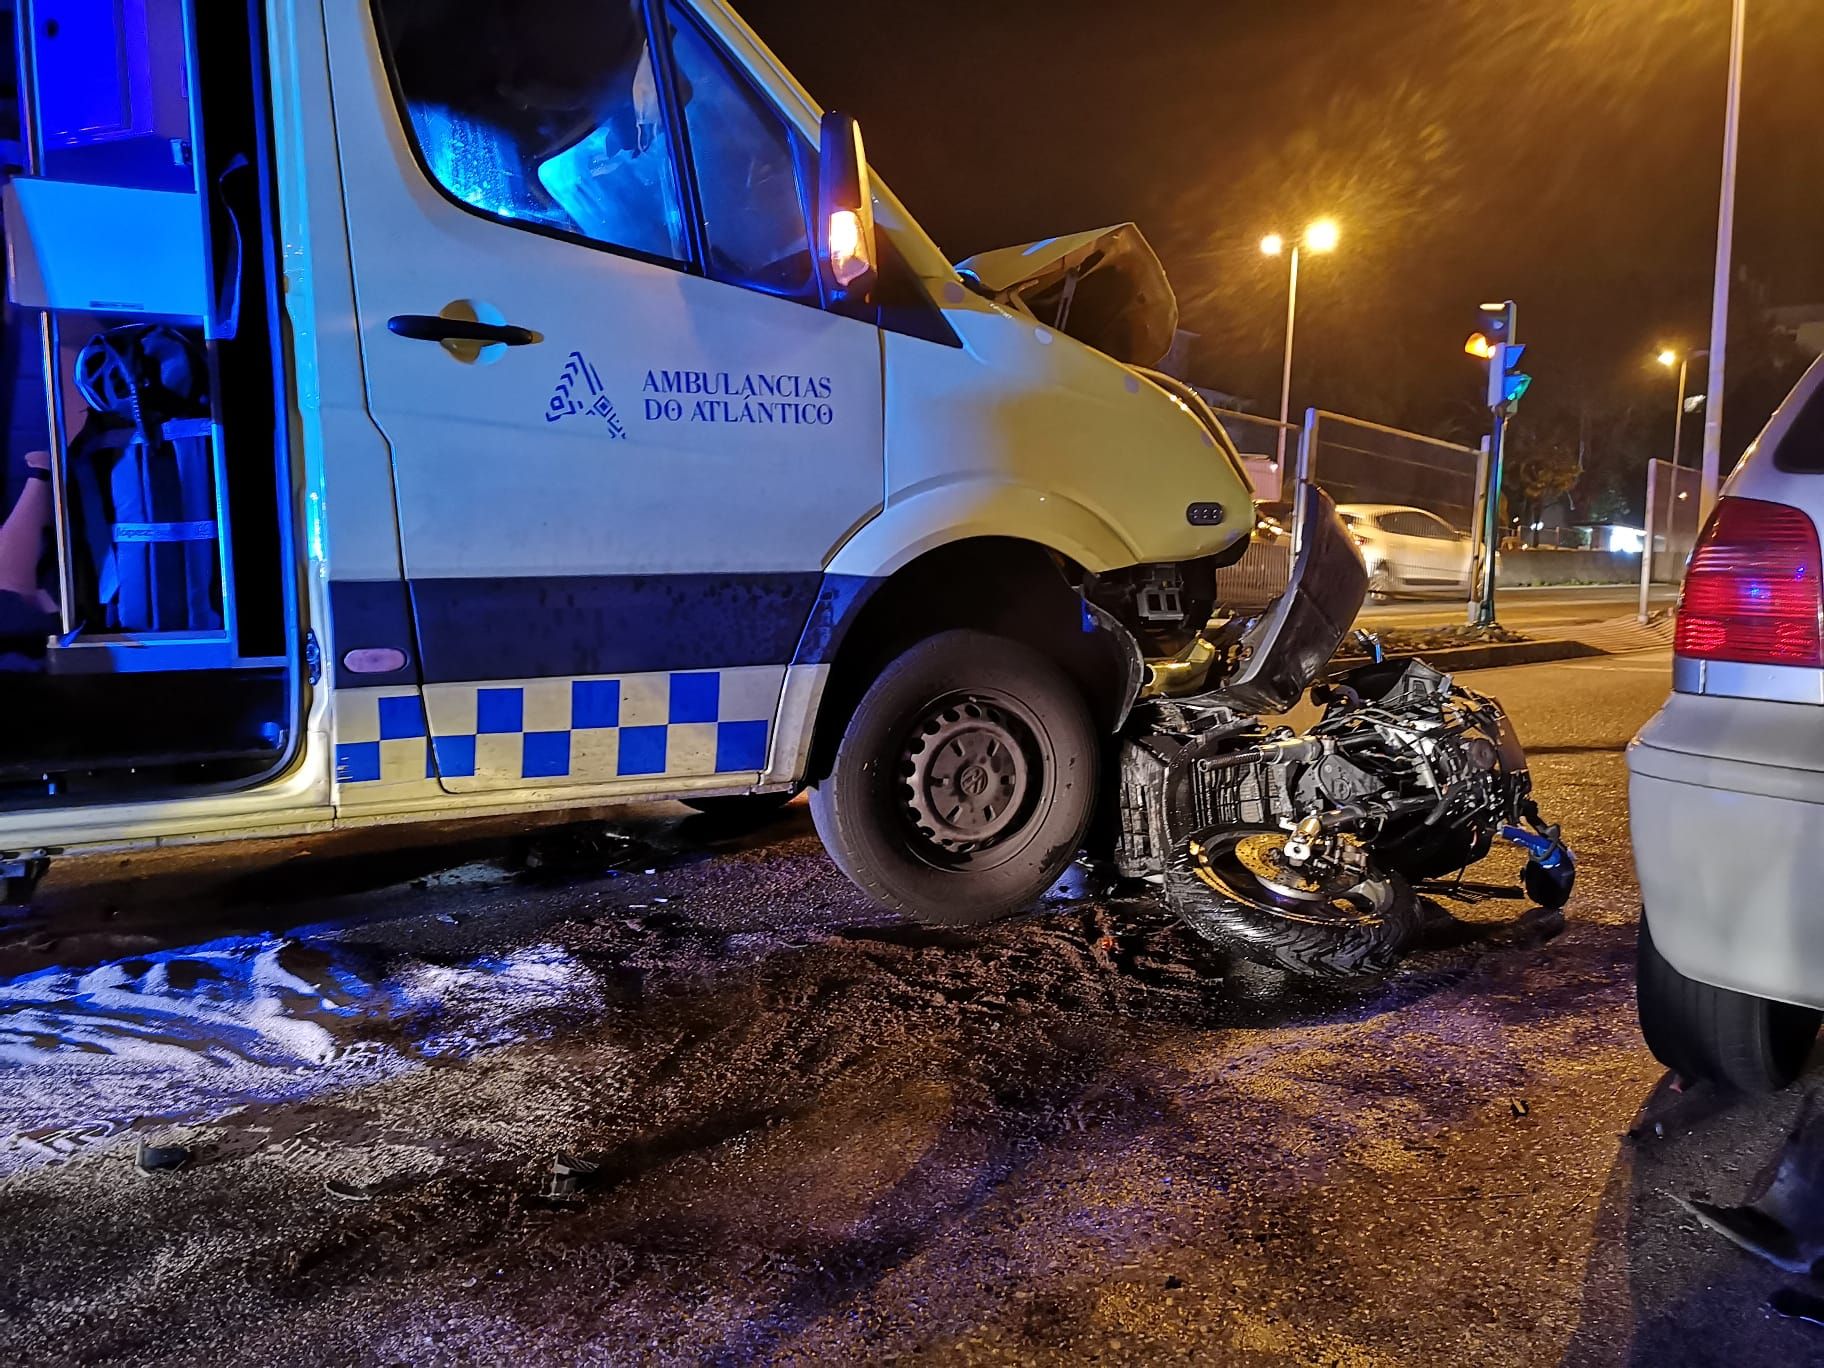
1299	850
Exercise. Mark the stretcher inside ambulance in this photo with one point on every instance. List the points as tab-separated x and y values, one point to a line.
429	407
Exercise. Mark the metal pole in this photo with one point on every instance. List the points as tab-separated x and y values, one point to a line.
1646	546
1497	463
1301	487
1678	418
1491	518
1285	384
1725	253
1475	588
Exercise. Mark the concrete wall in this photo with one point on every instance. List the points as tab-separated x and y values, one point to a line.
1568	567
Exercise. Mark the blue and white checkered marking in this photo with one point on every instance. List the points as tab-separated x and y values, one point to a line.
577	731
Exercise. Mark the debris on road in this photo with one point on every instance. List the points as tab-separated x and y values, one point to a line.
583	850
560	1179
156	1159
1783	1223
1401	641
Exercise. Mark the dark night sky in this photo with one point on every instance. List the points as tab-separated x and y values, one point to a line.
1563	152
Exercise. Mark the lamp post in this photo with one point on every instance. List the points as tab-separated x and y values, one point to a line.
1725	248
1321	236
1667	358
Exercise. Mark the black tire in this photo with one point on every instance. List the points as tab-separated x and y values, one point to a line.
1022	749
739	807
1715	1035
1345	940
1380	584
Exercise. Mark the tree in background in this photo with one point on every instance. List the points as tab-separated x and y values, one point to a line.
1544	464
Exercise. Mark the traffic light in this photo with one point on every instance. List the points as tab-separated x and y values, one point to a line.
1513	381
1495	344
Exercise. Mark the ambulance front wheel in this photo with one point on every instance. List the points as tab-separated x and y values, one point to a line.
964	781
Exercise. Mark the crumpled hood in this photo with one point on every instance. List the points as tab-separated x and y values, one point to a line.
1105	288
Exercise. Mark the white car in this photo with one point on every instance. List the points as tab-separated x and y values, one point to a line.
1408	550
1727	781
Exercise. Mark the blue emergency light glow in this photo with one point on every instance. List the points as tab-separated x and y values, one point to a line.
477	164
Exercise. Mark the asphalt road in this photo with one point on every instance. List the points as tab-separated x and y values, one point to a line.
1523	608
801	1131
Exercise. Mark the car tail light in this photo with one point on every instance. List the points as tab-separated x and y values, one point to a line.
1752	589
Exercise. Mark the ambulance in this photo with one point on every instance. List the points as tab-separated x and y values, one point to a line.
439	408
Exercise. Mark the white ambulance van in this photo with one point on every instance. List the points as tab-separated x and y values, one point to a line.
441	407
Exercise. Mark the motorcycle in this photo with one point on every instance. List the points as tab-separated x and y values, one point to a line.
1300	850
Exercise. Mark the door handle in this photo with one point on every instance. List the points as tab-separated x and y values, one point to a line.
437	328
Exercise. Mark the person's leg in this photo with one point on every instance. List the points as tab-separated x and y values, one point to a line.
22	535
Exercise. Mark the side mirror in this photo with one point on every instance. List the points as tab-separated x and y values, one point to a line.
847	248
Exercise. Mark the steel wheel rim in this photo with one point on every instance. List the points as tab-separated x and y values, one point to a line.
1215	860
970	773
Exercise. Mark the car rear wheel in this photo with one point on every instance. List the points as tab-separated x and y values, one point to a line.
1712	1034
964	781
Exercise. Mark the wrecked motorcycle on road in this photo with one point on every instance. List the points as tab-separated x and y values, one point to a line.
1300	849
1294	849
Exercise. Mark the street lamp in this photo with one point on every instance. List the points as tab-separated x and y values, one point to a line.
1322	236
1725	248
1669	358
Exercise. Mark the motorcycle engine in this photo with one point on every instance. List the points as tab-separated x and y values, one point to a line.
1402	730
1423	771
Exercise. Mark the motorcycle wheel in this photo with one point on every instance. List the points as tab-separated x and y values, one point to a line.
1328	922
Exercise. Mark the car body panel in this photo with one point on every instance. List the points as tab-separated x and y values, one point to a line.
1726	789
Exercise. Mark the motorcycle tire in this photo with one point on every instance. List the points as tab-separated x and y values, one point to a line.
1357	934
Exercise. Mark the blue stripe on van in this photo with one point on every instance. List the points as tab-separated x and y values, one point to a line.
571	626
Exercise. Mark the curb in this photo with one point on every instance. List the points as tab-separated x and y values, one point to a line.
1493	656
